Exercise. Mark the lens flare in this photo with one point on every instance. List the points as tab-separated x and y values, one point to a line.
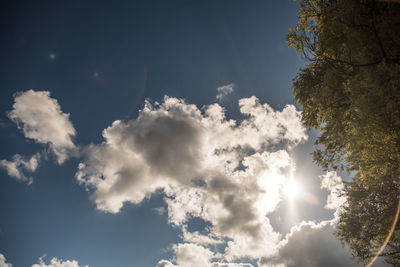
396	218
52	56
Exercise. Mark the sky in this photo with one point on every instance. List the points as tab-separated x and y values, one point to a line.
158	133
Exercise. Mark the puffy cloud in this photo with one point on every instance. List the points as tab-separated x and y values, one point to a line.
225	172
54	262
310	245
228	173
3	262
218	264
319	246
40	118
174	143
272	125
16	167
224	90
192	255
334	184
165	263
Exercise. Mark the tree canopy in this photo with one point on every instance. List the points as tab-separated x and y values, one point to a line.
350	91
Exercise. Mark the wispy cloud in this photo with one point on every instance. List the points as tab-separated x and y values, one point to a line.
224	91
18	165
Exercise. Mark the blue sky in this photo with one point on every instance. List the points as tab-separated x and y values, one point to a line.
100	60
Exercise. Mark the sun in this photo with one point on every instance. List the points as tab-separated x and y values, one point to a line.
292	188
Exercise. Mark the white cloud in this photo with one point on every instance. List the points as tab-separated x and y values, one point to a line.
165	263
3	262
192	255
310	245
218	264
314	244
160	210
198	238
224	90
174	143
189	255
334	184
16	167
207	166
54	262
228	173
40	118
273	125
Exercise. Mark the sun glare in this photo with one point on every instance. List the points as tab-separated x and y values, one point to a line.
292	188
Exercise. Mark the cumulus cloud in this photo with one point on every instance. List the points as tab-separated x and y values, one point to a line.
334	184
218	264
174	143
192	255
228	173
314	244
16	167
55	262
224	90
41	119
165	263
310	244
3	262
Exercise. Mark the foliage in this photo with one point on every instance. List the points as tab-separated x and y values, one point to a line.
350	91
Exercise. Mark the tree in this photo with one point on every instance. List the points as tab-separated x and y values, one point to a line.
350	92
